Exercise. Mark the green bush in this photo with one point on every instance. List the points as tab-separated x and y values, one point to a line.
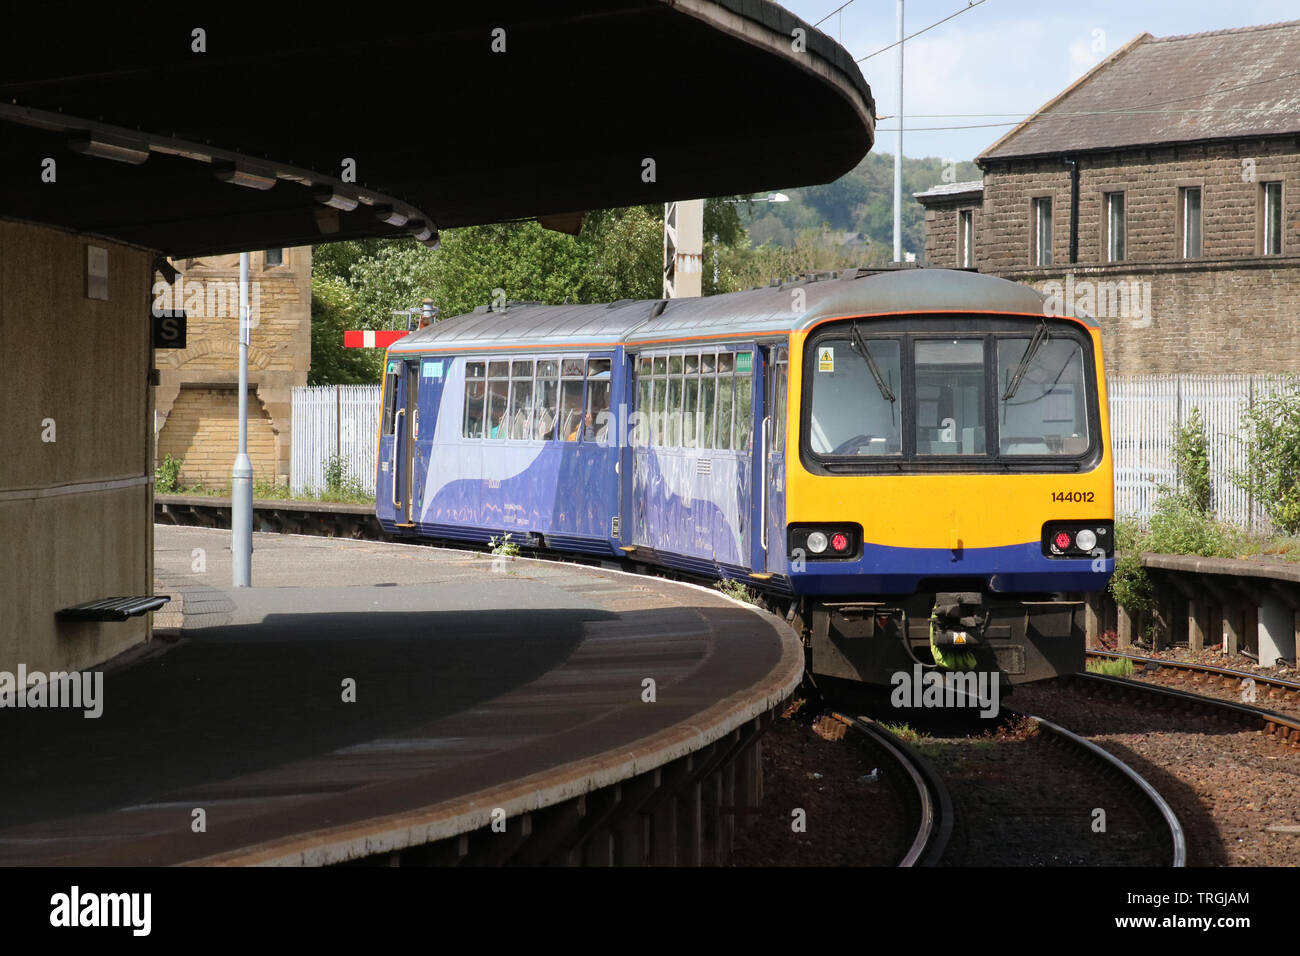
166	475
1192	459
1272	474
1130	585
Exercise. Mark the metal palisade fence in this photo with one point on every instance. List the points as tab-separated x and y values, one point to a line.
331	420
343	420
1144	411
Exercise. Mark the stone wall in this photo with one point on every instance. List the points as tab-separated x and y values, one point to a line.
1230	310
279	357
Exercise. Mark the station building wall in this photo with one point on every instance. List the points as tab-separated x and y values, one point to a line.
76	512
1230	310
197	396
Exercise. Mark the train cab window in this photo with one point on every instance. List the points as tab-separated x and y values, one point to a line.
708	388
597	422
475	391
690	400
390	398
521	400
950	397
726	376
571	375
498	392
855	407
1045	413
744	427
548	393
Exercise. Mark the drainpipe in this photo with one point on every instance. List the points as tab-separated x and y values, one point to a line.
1074	209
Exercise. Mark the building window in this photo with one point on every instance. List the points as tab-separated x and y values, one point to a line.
1114	227
1191	214
1042	237
1271	207
966	239
273	257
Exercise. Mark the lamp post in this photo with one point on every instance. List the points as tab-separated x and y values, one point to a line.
241	477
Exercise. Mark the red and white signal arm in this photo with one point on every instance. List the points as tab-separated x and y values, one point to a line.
371	338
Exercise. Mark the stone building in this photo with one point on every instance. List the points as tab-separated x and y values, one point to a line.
197	401
1161	193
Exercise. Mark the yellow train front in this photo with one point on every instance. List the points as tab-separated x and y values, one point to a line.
948	482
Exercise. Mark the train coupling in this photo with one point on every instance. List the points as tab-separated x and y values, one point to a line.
958	618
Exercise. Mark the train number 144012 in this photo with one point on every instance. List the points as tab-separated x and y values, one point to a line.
1086	496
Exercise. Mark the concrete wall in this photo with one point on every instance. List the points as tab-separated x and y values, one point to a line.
1231	310
76	513
279	357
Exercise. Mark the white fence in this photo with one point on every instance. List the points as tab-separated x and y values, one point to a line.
1143	413
343	419
330	420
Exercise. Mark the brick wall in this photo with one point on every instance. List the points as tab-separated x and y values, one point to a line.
279	355
203	431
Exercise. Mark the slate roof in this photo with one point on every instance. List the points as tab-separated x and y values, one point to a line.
1237	83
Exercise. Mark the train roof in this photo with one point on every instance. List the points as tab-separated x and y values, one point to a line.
772	310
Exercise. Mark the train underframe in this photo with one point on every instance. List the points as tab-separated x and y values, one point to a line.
1024	637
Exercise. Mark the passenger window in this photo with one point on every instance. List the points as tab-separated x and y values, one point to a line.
475	388
690	401
779	386
644	386
658	413
521	400
548	393
673	425
708	388
744	401
596	425
570	399
726	365
498	394
390	398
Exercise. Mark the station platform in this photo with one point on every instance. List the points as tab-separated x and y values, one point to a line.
367	697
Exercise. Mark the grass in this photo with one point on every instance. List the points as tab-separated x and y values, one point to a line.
734	589
1121	667
503	547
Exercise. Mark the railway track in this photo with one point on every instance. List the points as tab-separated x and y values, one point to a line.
1281	727
1161	816
926	794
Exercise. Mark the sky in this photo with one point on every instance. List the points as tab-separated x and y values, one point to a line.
1002	56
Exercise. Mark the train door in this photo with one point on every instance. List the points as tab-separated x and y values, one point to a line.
405	430
775	400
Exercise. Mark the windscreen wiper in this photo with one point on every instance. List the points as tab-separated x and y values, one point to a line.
886	392
1040	336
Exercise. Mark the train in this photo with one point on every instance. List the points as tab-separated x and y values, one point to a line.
912	464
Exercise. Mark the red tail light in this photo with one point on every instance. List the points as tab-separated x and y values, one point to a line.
839	541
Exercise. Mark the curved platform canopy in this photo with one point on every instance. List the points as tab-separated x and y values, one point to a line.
452	114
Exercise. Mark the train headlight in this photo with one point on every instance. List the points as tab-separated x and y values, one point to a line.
817	542
1085	540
